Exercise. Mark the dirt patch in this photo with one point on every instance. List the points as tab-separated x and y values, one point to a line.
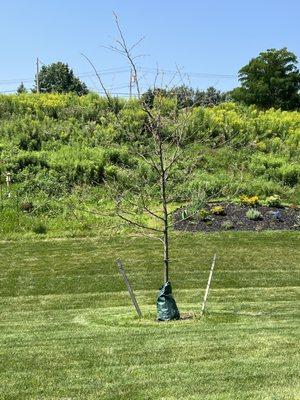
234	218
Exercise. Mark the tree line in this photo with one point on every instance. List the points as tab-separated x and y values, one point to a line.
272	79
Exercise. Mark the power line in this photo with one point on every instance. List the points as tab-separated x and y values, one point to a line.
203	74
93	90
108	71
120	70
112	72
8	91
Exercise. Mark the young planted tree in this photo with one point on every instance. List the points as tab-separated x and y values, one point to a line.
160	150
162	154
160	146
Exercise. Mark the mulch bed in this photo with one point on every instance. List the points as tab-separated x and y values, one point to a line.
236	215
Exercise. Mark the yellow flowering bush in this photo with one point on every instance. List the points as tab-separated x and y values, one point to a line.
250	201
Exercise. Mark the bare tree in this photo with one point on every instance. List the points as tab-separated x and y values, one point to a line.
162	153
166	130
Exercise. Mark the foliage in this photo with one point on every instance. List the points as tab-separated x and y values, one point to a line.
227	225
40	228
250	201
277	215
27	206
218	210
270	80
209	97
203	214
149	96
253	214
186	96
60	145
21	88
274	201
185	214
59	78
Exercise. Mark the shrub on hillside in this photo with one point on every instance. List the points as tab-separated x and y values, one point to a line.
290	174
53	143
40	228
26	206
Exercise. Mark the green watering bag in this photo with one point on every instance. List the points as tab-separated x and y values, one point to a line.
166	305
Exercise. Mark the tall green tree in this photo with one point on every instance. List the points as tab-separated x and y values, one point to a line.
270	80
21	89
59	78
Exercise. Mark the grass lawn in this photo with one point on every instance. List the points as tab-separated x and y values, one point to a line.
68	330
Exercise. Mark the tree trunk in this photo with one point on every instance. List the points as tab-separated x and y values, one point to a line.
163	184
166	255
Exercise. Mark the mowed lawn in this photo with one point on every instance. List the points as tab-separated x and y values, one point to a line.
68	330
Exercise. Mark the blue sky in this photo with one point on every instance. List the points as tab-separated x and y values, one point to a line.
209	41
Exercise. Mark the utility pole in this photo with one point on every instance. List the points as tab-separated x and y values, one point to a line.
37	75
130	84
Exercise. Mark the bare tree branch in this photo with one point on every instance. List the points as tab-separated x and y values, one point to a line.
99	77
138	224
137	43
127	53
149	211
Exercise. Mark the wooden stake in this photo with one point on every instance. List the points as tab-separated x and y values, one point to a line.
127	283
208	284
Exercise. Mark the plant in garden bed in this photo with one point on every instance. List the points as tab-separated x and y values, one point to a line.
185	214
204	215
250	201
277	215
273	201
253	214
218	210
227	225
192	210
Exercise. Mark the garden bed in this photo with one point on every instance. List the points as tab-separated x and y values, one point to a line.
234	218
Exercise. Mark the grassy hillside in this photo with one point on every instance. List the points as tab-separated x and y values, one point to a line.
61	148
68	329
